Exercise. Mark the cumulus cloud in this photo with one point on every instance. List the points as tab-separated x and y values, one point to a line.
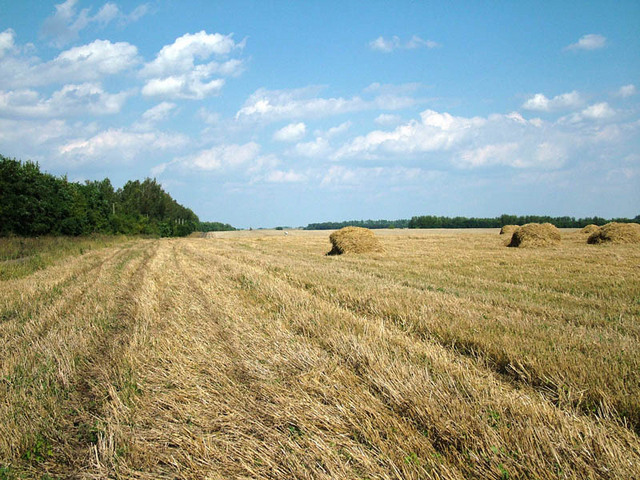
7	39
182	54
317	148
598	111
489	155
274	105
220	157
386	119
435	131
188	86
334	131
281	176
627	91
541	103
64	26
120	144
79	64
175	73
155	115
441	139
382	44
159	112
291	133
592	41
82	99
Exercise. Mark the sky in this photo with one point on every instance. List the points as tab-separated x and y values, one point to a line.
284	113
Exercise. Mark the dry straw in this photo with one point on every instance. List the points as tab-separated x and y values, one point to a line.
508	229
616	233
535	235
589	229
353	240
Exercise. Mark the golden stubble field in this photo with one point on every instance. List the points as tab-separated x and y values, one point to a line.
254	355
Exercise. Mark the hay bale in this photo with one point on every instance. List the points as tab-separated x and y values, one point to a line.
353	240
591	228
616	233
508	229
535	235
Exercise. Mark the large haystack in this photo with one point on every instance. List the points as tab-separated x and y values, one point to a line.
616	233
353	240
591	228
535	235
508	229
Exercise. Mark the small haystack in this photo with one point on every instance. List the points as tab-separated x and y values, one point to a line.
353	240
535	235
616	233
591	228
508	229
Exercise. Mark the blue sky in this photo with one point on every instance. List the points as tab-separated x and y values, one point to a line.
271	113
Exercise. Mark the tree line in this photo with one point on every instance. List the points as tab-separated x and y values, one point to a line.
431	221
215	227
373	224
34	203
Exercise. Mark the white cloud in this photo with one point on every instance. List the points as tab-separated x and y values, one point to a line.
540	102
274	105
120	144
627	91
187	86
175	74
82	99
382	44
159	112
435	131
387	119
598	111
335	131
7	39
318	148
291	133
221	157
440	139
79	64
66	23
339	176
489	155
289	176
181	55
154	115
592	41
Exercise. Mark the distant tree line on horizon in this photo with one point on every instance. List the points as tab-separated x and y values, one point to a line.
372	224
215	227
36	203
432	221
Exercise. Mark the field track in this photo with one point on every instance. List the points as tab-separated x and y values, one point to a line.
254	355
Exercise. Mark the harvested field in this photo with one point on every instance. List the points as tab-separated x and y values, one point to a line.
254	355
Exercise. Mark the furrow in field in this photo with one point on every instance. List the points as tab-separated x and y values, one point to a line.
594	367
52	412
477	424
229	390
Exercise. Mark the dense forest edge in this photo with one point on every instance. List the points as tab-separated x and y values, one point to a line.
431	221
36	203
